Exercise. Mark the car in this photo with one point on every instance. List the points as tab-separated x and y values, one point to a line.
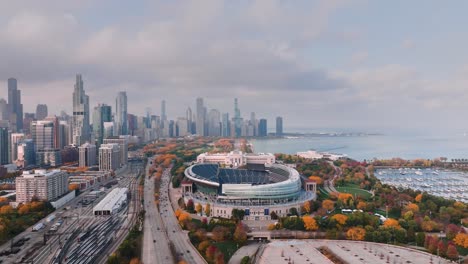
154	241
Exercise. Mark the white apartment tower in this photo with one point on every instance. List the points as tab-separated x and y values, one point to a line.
41	184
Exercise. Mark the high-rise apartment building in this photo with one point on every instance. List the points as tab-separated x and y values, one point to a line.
200	122
108	130
81	131
87	154
16	139
262	128
123	147
43	134
26	154
109	157
121	114
15	108
41	184
102	113
279	126
41	111
214	123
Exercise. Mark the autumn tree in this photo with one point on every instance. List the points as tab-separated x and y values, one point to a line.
316	179
190	206
356	233
203	245
328	204
184	218
207	209
461	239
412	207
362	205
134	261
340	219
418	198
198	208
210	252
310	223
390	222
452	252
219	233
307	206
240	234
6	209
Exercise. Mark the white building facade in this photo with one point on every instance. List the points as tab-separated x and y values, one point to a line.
109	157
41	184
236	158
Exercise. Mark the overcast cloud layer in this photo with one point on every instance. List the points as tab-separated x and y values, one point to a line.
357	65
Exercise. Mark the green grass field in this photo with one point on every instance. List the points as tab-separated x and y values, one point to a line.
354	191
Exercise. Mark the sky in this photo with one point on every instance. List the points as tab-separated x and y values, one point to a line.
327	65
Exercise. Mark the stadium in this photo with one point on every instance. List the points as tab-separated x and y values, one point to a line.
256	188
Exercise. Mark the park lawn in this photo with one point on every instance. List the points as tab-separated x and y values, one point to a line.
228	248
355	192
323	195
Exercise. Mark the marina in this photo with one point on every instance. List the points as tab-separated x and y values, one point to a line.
439	182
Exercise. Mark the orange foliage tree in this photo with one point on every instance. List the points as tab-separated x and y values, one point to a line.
412	207
356	233
418	198
316	179
309	223
461	239
328	204
390	222
362	205
340	218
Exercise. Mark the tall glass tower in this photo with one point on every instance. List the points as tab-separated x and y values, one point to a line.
121	114
81	131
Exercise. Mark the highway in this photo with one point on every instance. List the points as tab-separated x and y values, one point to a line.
155	240
178	237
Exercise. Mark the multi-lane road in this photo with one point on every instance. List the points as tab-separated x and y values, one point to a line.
155	240
162	229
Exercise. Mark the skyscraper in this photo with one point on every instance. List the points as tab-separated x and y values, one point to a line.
121	114
4	114
43	134
15	108
16	139
41	111
200	122
253	123
5	145
214	125
262	128
101	113
226	127
237	119
81	131
188	116
279	126
163	111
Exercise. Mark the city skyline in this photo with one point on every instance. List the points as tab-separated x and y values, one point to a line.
320	56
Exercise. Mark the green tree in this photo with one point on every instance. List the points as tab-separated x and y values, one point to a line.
245	260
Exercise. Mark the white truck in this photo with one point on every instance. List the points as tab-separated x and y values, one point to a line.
50	218
38	227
